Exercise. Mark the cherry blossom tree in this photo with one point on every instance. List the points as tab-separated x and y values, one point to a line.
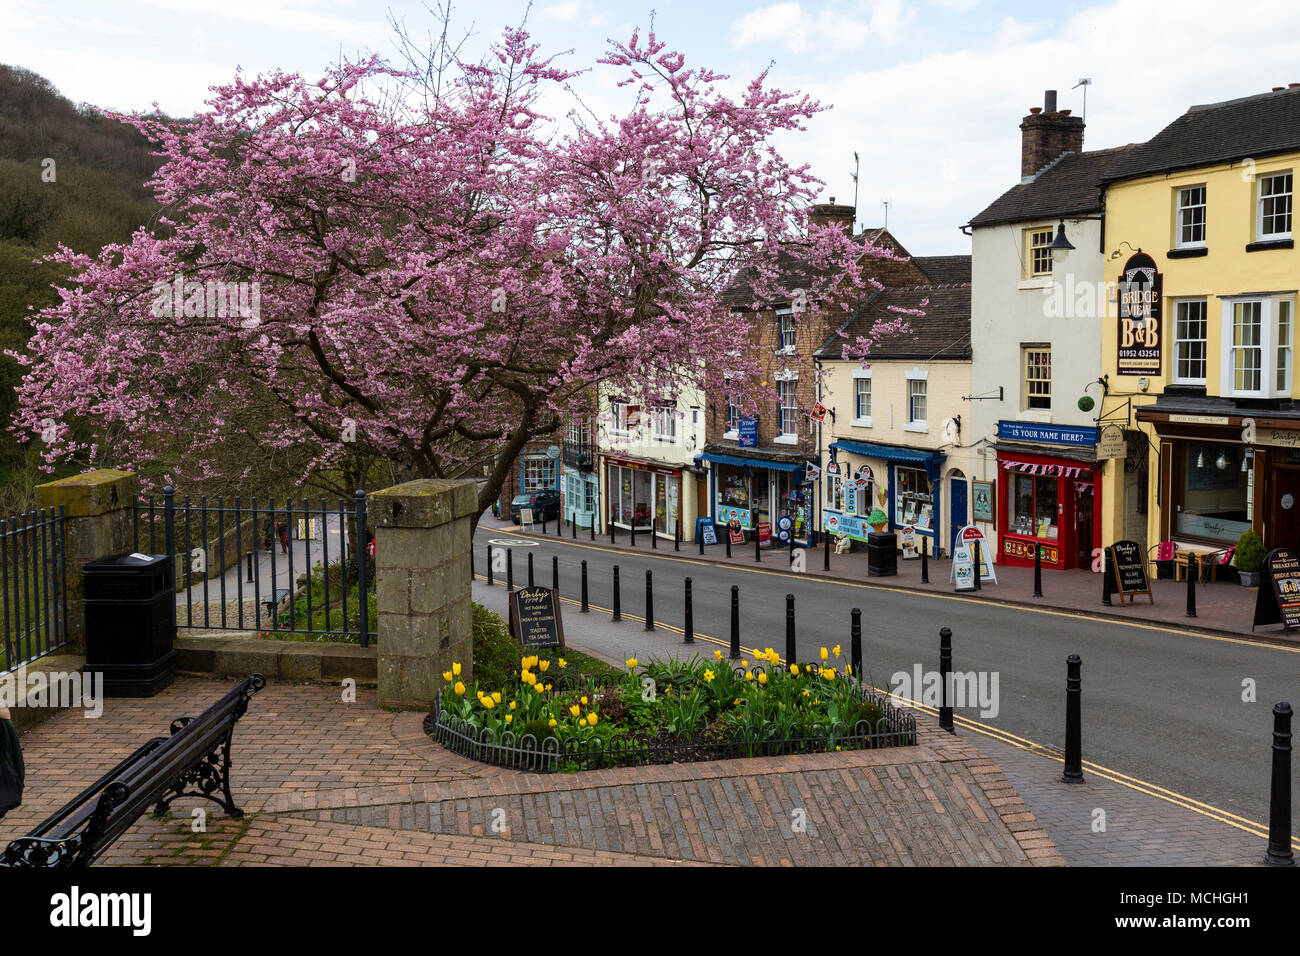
341	277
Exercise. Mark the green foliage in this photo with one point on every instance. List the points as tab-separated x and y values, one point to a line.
1249	555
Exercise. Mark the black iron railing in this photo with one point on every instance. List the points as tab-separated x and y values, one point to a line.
33	566
306	568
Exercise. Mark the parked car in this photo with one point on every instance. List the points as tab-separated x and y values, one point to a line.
545	505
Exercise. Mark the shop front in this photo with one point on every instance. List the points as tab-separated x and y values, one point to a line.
581	496
1050	503
643	495
902	483
759	492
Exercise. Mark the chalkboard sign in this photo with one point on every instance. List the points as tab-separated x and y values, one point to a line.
535	618
1278	598
708	532
1128	568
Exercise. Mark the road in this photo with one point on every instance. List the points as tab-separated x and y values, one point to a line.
1162	705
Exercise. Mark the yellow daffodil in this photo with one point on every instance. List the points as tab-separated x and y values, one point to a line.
807	693
825	654
547	688
736	701
631	663
592	718
563	663
708	675
574	710
717	655
762	677
459	688
455	669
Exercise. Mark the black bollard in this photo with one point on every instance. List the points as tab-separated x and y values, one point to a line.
790	657
612	538
758	545
543	522
945	672
976	548
826	551
530	570
689	624
1279	801
555	573
1105	581
585	606
618	614
1073	721
677	537
573	525
593	526
855	642
654	538
728	542
699	537
510	570
489	576
792	548
735	622
649	601
471	562
1193	570
632	526
1038	570
250	568
925	560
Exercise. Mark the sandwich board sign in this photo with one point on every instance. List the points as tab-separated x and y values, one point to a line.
907	541
1128	569
1278	598
962	574
970	536
708	532
525	518
535	618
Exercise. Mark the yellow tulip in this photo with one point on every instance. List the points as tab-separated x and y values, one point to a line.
631	663
512	705
762	677
509	718
496	696
459	688
744	663
794	669
446	675
825	655
592	718
749	675
455	669
487	702
543	666
836	649
807	693
574	710
552	722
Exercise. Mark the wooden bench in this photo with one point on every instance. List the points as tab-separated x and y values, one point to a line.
193	762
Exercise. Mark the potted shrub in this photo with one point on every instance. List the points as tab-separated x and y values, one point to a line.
1248	558
878	520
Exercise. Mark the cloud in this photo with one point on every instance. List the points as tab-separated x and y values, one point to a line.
798	30
560	11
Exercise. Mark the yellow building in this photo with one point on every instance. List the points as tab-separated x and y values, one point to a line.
1197	340
892	438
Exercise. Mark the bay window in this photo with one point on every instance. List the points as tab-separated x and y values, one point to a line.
1256	346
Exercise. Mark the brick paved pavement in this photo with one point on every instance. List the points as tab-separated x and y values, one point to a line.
330	783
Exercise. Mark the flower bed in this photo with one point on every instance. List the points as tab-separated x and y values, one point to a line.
664	712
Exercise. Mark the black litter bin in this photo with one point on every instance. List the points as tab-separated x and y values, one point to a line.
130	605
882	554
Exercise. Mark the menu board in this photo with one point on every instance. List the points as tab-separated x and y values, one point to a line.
535	618
1128	568
708	532
1278	598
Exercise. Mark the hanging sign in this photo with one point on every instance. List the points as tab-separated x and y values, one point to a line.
1128	566
1278	599
818	413
1112	444
811	472
1141	336
535	618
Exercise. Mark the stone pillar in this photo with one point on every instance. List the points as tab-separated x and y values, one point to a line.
97	522
422	587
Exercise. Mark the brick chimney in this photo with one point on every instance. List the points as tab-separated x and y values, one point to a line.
1047	133
824	214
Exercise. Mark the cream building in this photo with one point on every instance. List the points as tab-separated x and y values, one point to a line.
893	439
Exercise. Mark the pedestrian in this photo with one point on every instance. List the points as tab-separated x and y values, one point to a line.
12	772
283	528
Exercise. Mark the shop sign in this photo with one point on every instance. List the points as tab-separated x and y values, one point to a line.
1112	444
811	473
1078	436
818	412
982	500
1278	599
1277	438
727	515
851	525
1201	419
1139	347
748	433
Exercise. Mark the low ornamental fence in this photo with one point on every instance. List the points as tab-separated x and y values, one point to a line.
250	565
896	728
33	601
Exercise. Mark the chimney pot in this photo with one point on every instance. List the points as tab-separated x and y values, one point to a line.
1049	101
1046	134
1277	89
1292	86
1035	110
1065	112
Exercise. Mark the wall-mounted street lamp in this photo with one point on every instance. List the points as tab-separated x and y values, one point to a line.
1115	254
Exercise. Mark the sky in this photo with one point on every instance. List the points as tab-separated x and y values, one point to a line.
929	93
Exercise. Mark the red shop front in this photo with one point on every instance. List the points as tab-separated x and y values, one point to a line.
1048	501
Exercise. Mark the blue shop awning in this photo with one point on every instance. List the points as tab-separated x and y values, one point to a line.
931	460
750	462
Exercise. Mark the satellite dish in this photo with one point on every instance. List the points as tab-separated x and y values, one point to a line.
553	451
